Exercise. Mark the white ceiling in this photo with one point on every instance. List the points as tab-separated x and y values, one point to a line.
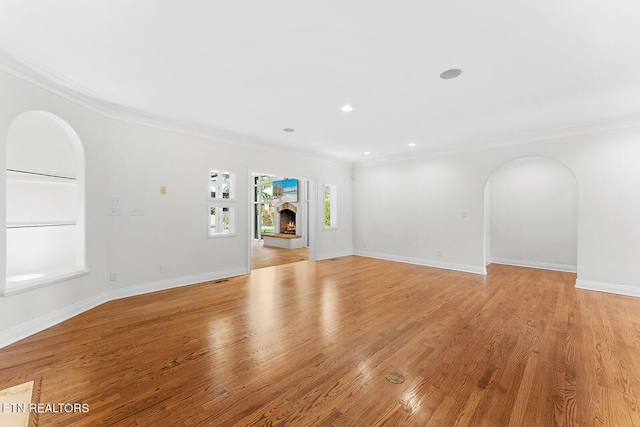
242	71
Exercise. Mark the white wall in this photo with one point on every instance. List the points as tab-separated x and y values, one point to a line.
534	214
36	142
30	311
487	223
132	161
173	230
413	211
409	210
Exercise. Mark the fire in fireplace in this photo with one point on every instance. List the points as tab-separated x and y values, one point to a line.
287	212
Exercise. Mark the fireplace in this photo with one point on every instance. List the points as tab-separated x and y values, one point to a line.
287	214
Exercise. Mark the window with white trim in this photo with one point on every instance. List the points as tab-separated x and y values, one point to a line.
222	185
264	208
222	220
330	206
222	198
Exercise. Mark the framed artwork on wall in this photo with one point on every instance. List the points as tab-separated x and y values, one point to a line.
285	190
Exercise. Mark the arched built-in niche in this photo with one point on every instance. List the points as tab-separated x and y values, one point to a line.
45	202
531	215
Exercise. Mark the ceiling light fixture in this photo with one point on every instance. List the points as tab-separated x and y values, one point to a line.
450	74
412	144
346	108
367	152
289	129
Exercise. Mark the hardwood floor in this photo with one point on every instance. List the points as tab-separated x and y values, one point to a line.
310	343
268	256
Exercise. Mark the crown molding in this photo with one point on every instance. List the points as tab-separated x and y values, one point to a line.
31	71
619	122
45	78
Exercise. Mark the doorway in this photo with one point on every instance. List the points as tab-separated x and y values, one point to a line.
279	199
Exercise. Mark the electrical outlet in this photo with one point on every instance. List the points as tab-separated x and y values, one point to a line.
137	211
163	190
113	276
439	252
464	214
114	201
163	268
114	211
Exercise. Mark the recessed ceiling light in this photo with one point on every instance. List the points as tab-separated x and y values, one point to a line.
346	108
412	144
450	74
367	152
289	129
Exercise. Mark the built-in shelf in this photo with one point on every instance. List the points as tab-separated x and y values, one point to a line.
22	283
45	235
41	225
19	175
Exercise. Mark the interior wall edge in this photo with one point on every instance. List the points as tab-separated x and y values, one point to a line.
535	264
322	257
42	323
425	262
610	288
146	288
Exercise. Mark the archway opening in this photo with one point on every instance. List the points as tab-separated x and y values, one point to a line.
45	194
531	215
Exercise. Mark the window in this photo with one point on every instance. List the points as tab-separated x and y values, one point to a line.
264	208
222	214
221	221
330	206
222	185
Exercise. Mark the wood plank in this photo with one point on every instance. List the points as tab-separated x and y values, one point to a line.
310	344
268	256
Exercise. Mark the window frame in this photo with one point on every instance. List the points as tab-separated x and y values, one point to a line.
220	202
259	202
231	231
219	185
330	192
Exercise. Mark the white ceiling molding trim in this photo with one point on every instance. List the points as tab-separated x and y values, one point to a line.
32	72
621	122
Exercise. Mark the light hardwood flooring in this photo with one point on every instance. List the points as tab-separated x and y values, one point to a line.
268	256
310	343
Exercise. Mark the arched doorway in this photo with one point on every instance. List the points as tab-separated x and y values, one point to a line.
531	215
45	184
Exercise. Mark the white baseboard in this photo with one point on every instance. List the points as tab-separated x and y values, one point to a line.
610	288
41	323
146	288
323	257
425	262
535	264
